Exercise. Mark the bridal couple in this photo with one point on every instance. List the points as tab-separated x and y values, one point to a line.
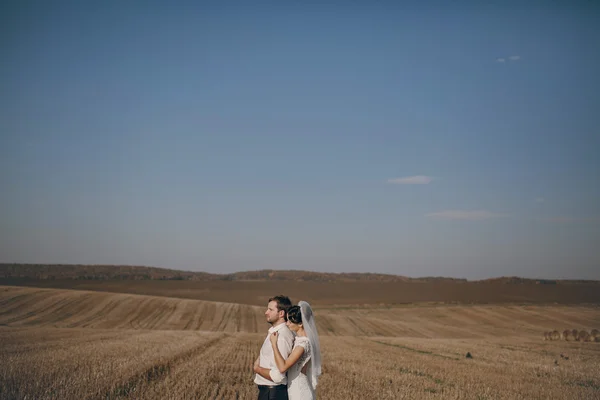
290	358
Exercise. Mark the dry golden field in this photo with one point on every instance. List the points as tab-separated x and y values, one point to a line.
57	344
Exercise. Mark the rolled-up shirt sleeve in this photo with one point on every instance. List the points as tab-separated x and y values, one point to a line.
276	376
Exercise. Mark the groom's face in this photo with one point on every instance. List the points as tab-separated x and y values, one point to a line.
272	312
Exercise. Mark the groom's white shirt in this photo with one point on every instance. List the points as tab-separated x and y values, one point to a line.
285	343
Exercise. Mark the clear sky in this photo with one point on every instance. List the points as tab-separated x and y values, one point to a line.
358	136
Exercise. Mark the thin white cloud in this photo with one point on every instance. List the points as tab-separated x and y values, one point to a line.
540	200
557	219
466	215
562	219
509	58
411	180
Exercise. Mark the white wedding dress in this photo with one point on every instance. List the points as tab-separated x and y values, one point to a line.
299	385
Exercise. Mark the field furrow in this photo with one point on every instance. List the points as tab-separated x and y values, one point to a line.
142	383
84	368
68	308
396	368
222	371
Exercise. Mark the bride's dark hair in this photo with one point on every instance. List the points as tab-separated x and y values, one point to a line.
294	315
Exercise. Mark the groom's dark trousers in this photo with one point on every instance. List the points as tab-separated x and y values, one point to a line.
278	392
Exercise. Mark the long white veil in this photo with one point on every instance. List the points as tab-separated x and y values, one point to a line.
310	327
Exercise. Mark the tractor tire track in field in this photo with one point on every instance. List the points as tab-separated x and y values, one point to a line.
415	350
159	371
31	300
75	309
29	307
67	338
7	302
97	309
222	370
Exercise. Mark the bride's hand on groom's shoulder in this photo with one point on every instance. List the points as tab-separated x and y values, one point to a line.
273	338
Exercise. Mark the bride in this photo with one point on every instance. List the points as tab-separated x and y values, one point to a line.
304	363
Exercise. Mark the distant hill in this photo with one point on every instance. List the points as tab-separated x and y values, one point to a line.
130	272
515	280
323	289
98	272
311	276
141	273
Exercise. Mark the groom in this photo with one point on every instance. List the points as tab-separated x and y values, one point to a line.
272	385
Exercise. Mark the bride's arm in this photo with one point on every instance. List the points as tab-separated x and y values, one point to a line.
284	365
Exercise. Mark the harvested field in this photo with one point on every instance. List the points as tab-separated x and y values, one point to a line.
84	363
70	309
46	363
510	368
92	345
23	306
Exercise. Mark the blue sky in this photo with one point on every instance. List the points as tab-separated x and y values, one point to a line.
414	140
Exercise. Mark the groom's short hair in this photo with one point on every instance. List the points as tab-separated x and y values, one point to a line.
283	304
